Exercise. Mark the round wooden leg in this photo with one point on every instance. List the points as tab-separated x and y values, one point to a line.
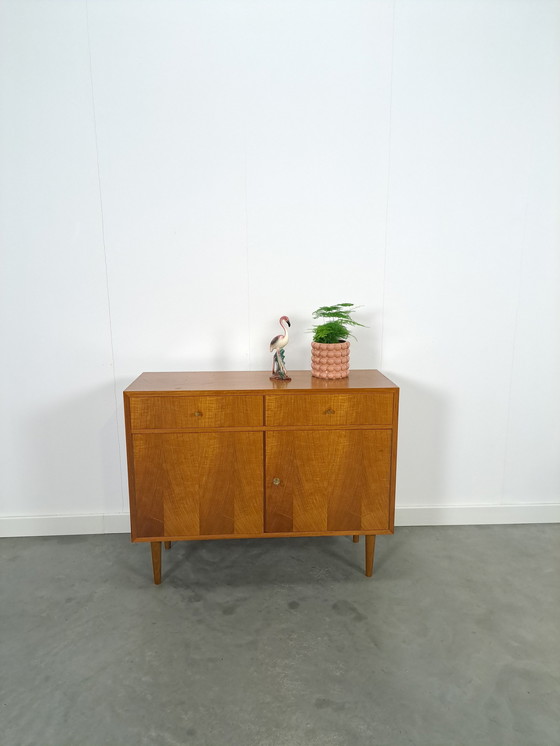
370	550
156	560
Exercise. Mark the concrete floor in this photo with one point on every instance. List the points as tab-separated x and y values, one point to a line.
283	642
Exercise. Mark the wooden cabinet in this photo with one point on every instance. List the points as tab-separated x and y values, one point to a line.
226	455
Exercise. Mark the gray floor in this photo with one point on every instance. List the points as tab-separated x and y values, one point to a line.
283	642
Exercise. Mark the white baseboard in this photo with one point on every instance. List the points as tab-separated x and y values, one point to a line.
65	525
432	515
476	515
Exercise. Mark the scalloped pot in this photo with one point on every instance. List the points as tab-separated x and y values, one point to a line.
330	361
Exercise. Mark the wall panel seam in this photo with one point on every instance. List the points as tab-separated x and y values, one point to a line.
387	190
102	222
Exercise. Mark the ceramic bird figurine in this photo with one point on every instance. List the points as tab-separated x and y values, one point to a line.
277	345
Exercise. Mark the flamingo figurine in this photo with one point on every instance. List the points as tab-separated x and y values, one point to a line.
277	345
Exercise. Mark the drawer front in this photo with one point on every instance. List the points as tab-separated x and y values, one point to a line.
330	409
176	412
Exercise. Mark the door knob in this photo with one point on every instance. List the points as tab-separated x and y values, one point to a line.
276	481
329	411
198	414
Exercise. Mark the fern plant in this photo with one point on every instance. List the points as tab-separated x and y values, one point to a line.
335	329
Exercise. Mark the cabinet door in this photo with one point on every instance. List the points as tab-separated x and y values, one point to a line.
327	480
198	484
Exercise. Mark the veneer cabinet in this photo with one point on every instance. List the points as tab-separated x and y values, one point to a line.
236	455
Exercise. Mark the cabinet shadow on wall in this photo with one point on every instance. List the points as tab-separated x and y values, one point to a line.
422	446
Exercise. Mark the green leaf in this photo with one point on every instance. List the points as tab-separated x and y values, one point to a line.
334	330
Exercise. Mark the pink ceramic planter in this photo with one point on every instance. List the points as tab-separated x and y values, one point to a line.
330	361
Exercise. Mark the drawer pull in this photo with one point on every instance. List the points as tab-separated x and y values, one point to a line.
198	414
276	481
329	411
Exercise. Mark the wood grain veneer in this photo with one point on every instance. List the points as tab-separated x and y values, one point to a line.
334	480
239	382
235	455
177	412
327	410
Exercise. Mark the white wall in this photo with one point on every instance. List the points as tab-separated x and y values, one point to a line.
177	175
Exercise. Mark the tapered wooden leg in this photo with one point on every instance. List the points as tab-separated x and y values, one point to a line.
370	550
167	544
356	538
156	560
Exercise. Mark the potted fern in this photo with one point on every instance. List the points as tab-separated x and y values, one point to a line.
330	349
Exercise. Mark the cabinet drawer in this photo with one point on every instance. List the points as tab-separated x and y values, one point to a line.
175	412
330	409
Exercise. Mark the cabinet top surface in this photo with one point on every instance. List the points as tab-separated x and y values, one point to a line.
255	381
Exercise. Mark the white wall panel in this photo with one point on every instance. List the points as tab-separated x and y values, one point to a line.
467	97
532	465
169	91
243	152
317	167
58	423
